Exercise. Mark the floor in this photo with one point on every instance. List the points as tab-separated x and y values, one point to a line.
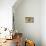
9	43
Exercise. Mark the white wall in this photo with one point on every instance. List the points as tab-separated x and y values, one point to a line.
6	13
43	22
6	17
31	8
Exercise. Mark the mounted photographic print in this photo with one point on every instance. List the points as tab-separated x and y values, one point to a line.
29	19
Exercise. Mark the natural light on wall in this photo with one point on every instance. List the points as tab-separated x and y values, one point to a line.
6	18
6	13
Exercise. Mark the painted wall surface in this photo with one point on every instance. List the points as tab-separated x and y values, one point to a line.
29	8
6	13
43	22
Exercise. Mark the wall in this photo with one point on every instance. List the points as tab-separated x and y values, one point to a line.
6	18
29	8
43	22
6	13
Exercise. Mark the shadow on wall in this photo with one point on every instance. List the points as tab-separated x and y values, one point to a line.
29	8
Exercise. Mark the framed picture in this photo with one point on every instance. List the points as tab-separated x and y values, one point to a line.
29	19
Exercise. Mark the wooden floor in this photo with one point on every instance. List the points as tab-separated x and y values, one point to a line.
9	43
